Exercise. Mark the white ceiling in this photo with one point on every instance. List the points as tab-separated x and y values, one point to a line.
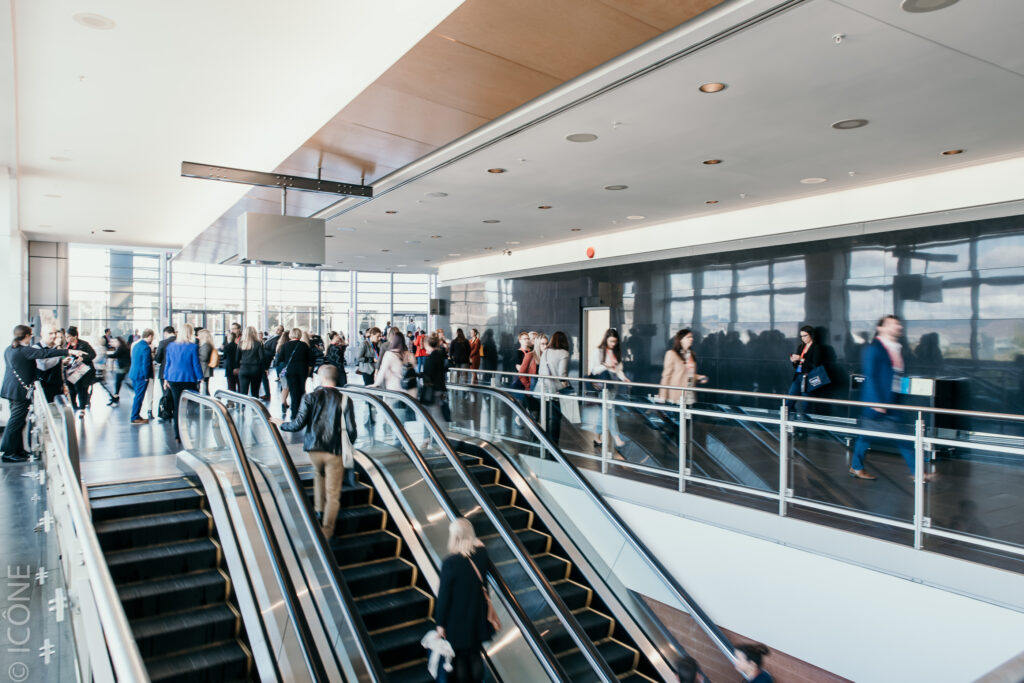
233	82
926	82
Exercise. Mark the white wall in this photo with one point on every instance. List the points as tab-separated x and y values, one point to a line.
862	624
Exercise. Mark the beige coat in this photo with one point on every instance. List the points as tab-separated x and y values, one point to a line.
677	373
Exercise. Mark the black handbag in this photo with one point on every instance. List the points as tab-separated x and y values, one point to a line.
166	408
409	377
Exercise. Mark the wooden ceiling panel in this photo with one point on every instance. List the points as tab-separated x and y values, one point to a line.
401	113
662	14
555	38
374	149
465	78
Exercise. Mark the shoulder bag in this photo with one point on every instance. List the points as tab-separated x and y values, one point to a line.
492	616
28	389
76	371
409	377
816	379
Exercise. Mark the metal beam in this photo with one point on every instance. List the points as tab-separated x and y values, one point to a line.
236	175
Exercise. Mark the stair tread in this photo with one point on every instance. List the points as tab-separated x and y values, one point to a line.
375	568
145	521
377	603
101	491
163	624
133	499
181	663
143	589
157	551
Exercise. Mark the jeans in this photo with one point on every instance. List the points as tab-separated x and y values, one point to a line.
796	389
118	381
613	419
881	422
328	473
14	440
420	362
141	385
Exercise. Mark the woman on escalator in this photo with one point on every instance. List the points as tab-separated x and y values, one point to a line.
748	662
462	612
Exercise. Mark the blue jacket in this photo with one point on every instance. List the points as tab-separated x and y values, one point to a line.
181	363
142	362
878	373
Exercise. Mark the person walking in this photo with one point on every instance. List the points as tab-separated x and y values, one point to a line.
523	359
250	362
81	388
749	659
329	422
395	365
459	351
883	367
159	358
420	349
461	613
19	376
294	360
269	353
807	357
475	350
336	356
207	357
368	358
230	356
182	370
119	361
50	371
433	392
554	361
607	364
679	369
141	374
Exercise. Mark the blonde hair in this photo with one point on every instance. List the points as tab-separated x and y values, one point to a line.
188	334
205	337
536	345
462	538
249	339
305	338
296	333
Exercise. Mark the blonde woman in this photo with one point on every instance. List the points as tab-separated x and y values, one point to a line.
182	370
461	612
250	361
206	347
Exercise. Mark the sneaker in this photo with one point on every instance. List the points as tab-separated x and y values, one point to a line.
140	421
14	457
113	401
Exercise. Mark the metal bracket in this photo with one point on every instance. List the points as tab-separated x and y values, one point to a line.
191	169
789	493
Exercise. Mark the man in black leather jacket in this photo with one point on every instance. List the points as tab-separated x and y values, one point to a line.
328	443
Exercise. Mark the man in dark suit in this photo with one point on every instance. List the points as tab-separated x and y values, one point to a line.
20	362
270	351
883	367
161	349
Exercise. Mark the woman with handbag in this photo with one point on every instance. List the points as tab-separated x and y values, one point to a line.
555	361
80	375
679	369
182	370
397	367
607	364
807	357
249	363
230	354
207	354
464	614
294	361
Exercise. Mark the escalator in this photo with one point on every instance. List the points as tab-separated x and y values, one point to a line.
165	558
615	646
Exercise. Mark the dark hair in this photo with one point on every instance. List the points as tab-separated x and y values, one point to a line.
755	652
677	343
433	340
559	341
459	336
20	332
169	329
106	329
397	343
687	670
372	331
72	331
475	331
891	316
809	330
617	349
231	337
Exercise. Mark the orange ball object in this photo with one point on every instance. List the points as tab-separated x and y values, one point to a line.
590	252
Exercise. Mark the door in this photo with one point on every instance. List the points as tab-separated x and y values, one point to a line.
596	322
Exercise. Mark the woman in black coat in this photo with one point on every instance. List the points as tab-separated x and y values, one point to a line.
230	355
295	360
461	612
808	356
250	360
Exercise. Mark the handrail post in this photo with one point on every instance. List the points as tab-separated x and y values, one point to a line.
918	481
783	457
683	441
543	409
605	432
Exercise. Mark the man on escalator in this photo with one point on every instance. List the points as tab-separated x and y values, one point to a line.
328	443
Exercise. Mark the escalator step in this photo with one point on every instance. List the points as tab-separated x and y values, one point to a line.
381	575
135	532
112	490
351	496
217	662
412	672
139	564
400	645
485	474
553	566
357	548
148	598
150	503
500	495
354	520
517	518
179	631
395	607
636	677
596	625
466	459
535	542
573	594
620	659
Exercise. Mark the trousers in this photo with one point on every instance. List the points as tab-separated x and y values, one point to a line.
467	667
881	423
328	473
177	389
141	387
14	440
249	383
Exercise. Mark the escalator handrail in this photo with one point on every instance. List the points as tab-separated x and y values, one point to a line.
554	601
721	641
262	519
369	655
515	609
125	657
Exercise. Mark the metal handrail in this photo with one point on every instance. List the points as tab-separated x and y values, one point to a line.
324	556
262	519
117	633
710	628
554	601
750	394
537	644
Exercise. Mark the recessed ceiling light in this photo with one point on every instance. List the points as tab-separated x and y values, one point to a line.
97	21
412	241
495	170
712	87
711	201
711	162
435	237
436	194
636	218
390	212
347	229
65	159
401	265
108	230
581	137
616	187
512	242
454	255
850	124
544	206
385	250
575	229
813	181
52	196
952	152
919	6
492	220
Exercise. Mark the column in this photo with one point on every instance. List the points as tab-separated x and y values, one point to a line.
48	294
